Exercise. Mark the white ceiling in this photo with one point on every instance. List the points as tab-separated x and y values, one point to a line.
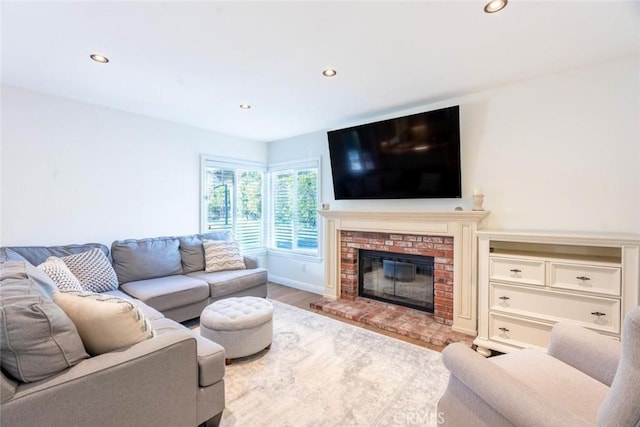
195	62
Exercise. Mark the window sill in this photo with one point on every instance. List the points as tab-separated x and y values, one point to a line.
300	256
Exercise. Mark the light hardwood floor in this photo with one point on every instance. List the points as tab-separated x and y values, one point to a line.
303	299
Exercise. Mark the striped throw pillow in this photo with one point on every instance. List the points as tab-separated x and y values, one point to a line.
222	255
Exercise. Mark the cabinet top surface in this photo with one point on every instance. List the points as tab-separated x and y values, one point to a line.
577	237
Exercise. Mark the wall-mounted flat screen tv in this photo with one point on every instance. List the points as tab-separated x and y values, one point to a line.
411	157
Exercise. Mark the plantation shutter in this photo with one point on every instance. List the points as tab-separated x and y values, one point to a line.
249	216
233	203
295	203
284	207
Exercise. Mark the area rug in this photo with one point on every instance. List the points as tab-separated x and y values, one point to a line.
323	372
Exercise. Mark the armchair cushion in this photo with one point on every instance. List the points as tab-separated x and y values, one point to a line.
510	395
621	406
590	352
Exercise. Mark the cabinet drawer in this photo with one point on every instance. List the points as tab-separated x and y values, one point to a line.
517	270
593	312
603	280
519	332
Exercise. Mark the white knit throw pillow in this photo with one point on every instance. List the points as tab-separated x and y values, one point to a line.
93	270
222	255
58	271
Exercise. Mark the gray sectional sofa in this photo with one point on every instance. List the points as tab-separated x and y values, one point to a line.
168	273
175	378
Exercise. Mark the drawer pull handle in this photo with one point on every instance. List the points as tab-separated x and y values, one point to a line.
504	329
583	278
597	313
515	270
504	298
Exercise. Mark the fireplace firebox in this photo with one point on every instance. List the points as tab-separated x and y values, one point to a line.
400	279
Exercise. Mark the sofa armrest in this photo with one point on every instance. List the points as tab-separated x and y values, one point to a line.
150	383
251	261
590	352
504	392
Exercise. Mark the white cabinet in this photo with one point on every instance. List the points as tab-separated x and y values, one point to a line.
528	281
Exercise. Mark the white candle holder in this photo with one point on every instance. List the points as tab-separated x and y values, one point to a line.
478	199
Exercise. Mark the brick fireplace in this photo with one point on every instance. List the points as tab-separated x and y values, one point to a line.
449	237
438	247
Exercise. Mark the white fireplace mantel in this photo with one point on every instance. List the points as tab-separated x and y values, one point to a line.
461	225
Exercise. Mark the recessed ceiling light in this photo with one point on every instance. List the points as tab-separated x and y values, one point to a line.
495	6
99	58
329	72
245	106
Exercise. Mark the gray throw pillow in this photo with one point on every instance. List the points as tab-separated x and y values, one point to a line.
38	339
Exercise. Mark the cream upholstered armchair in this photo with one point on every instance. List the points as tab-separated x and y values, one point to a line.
584	379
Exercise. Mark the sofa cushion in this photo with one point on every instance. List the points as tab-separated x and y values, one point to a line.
58	271
104	322
39	254
143	259
8	387
93	270
231	281
38	339
8	254
220	255
211	364
164	293
192	252
149	312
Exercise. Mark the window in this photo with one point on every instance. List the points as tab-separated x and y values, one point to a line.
233	196
294	205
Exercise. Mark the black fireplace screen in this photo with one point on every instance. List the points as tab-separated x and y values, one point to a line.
396	278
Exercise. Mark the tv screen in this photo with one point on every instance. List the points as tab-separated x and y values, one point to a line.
411	157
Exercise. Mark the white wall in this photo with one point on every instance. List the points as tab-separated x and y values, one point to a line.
557	152
73	172
560	152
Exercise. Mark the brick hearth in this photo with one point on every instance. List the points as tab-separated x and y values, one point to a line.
438	247
400	320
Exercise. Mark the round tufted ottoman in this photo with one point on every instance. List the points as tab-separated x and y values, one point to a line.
242	325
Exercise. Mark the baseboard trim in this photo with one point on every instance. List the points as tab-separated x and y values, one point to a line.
296	284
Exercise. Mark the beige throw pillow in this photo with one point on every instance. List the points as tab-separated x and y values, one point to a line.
58	271
222	255
105	323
